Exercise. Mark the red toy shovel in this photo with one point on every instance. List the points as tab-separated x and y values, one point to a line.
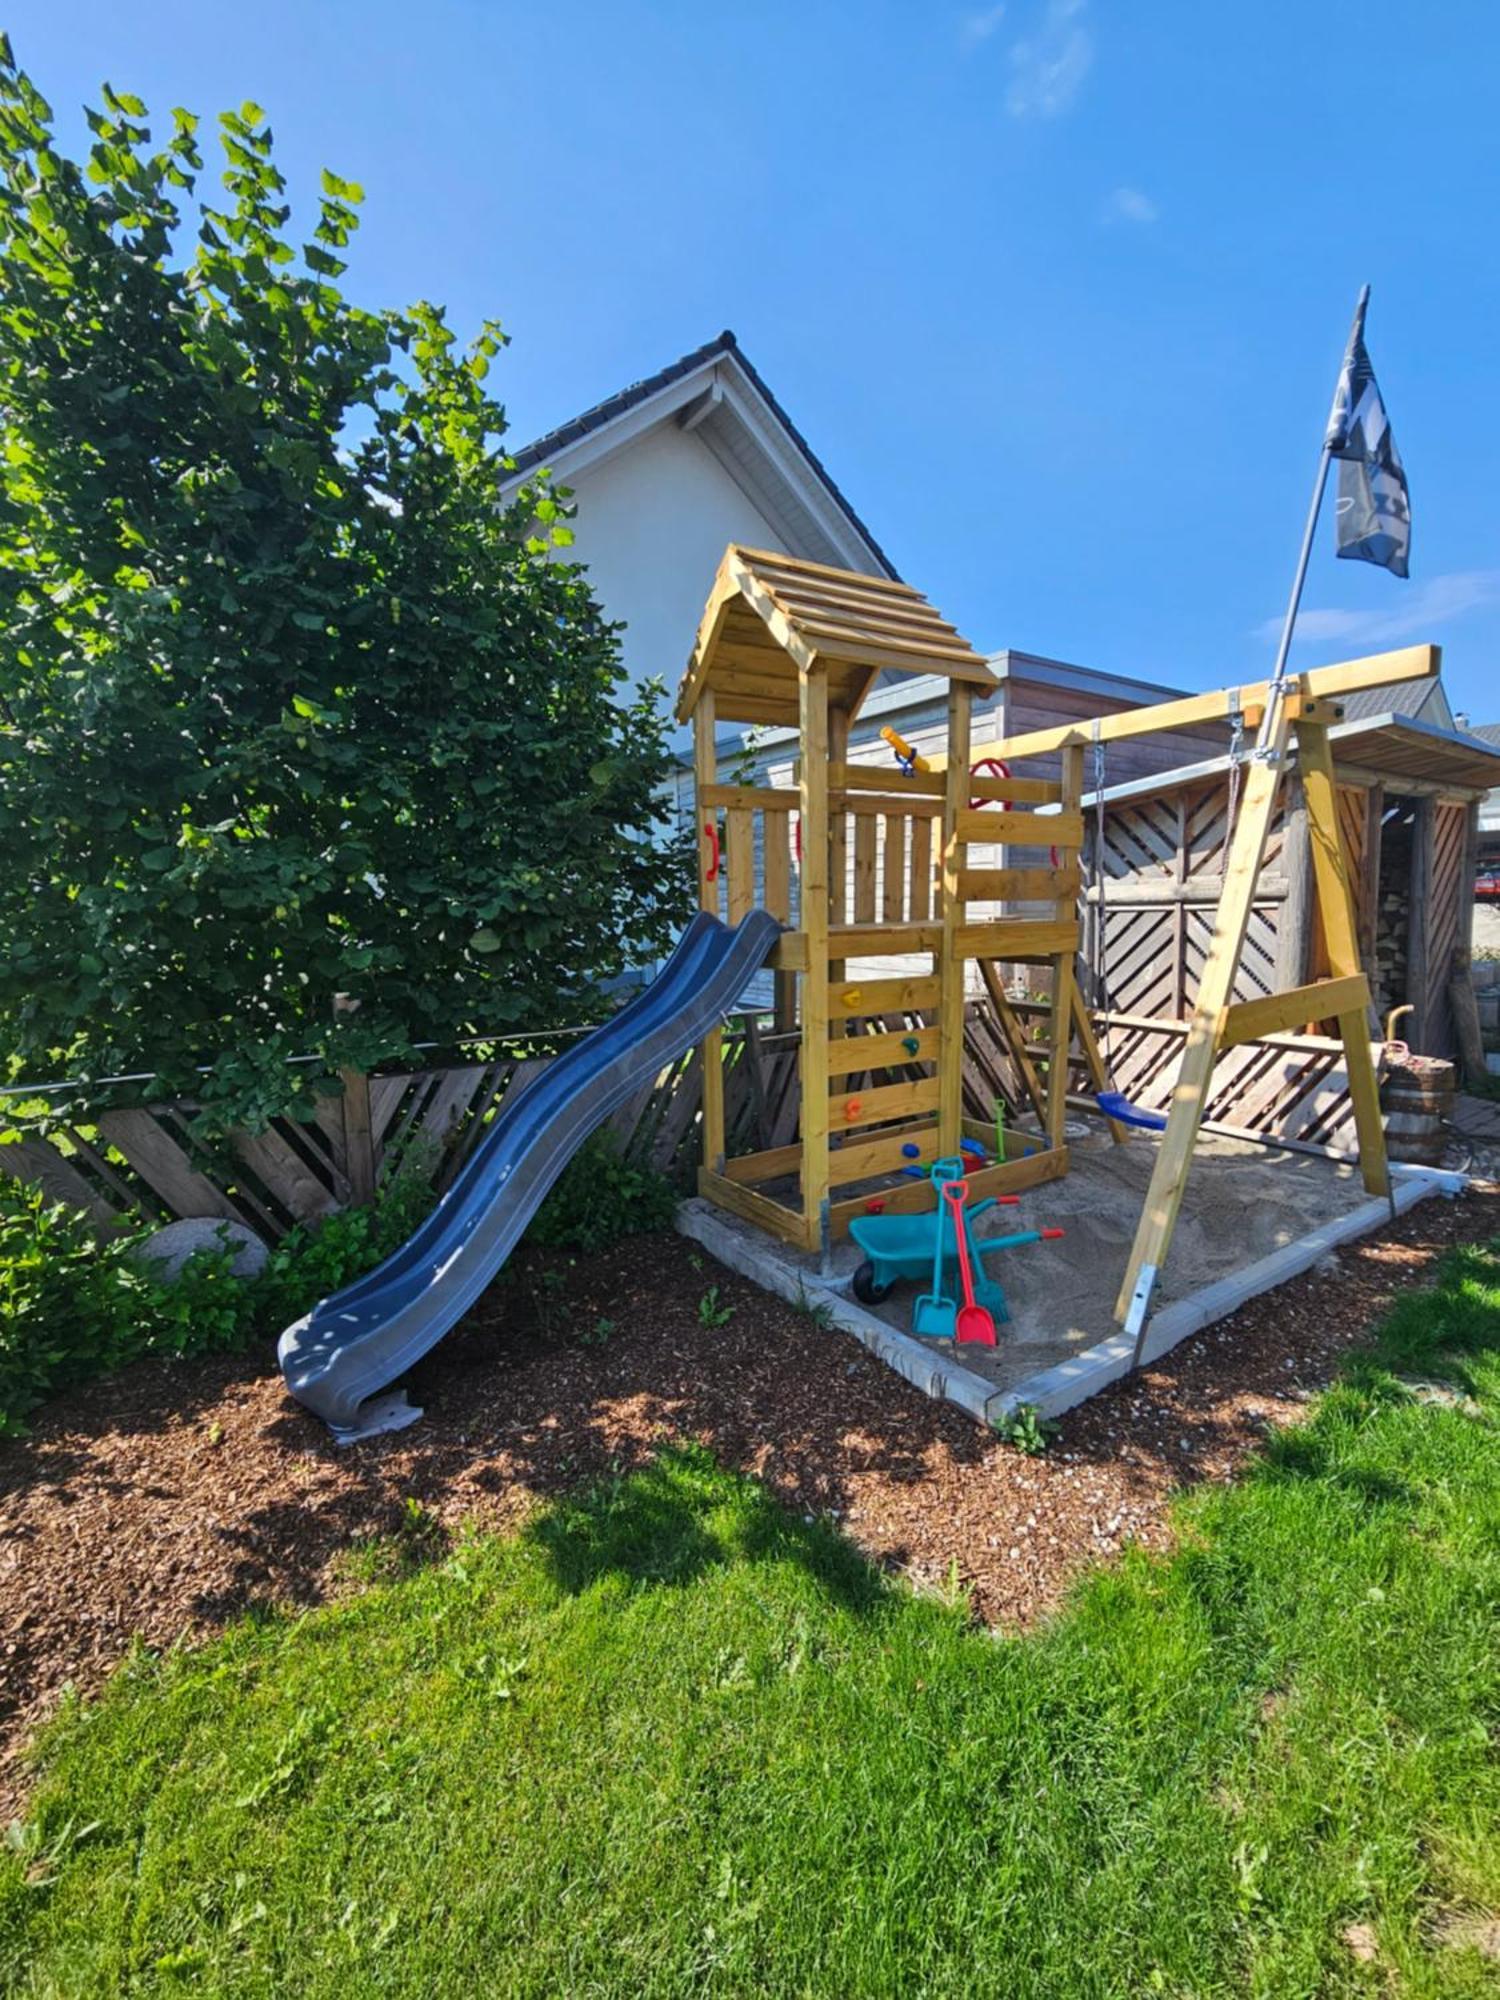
974	1321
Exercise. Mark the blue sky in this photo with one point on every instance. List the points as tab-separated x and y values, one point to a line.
1056	288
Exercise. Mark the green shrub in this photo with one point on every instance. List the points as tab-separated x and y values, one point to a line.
75	1305
601	1196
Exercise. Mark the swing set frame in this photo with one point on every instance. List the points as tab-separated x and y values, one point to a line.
1294	712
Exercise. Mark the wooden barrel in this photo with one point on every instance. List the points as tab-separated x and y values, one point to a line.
1417	1098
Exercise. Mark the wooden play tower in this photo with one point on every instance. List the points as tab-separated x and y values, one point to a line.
865	863
873	862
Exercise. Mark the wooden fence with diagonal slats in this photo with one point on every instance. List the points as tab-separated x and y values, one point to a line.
144	1161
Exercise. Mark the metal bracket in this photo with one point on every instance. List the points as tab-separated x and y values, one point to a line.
1140	1306
825	1238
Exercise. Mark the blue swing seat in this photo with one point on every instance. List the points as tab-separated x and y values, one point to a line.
1123	1112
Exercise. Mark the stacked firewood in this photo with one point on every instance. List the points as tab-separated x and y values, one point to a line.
1392	937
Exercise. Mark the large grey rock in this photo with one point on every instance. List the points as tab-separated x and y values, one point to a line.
170	1248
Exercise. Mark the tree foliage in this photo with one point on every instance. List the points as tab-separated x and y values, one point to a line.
291	702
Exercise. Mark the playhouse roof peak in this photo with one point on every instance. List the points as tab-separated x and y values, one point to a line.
769	616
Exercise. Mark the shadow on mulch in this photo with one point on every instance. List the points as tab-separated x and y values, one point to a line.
173	1497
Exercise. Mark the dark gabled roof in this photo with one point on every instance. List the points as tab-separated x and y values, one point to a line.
541	449
1487	732
1422	699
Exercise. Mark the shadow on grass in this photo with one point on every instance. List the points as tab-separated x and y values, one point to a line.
668	1522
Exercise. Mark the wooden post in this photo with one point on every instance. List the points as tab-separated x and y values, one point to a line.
1015	1038
950	965
359	1138
1246	856
1367	895
1093	1057
838	838
812	683
1341	940
1064	910
706	773
1294	930
1418	971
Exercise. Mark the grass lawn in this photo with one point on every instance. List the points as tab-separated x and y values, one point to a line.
671	1740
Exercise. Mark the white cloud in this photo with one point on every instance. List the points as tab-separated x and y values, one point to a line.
1419	613
1047	68
978	27
1128	204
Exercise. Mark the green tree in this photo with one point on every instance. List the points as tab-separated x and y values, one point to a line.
291	702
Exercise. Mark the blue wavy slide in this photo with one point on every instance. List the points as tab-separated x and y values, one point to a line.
353	1345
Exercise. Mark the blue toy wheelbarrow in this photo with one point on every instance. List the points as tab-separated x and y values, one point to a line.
914	1246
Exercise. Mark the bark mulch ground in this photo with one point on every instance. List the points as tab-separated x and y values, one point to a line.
173	1497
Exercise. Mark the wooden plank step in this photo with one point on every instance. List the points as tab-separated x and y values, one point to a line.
1018	885
874	1107
1018	829
883	996
915	1197
849	1054
1020	938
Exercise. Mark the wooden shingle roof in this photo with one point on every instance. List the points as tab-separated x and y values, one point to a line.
770	615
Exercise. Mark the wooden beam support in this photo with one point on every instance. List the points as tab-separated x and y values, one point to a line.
1020	885
884	996
1321	1000
748	798
711	1048
843	777
879	1106
752	1207
1246	853
1065	919
915	1197
950	963
852	1055
1341	938
1020	829
1093	1058
867	1159
1023	939
813	1061
1015	1036
877	940
1407	663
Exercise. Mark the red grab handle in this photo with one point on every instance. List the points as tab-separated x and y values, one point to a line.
1050	1235
711	828
993	767
998	769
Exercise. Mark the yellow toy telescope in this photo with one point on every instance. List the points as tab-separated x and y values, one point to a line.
906	757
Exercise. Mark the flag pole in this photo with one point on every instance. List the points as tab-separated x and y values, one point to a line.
1325	457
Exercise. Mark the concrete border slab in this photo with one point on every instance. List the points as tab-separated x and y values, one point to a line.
934	1368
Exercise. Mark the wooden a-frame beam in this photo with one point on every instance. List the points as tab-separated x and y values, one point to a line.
1407	663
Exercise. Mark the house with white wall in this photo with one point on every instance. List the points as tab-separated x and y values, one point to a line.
669	471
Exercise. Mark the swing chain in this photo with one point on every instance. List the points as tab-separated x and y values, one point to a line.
1236	760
